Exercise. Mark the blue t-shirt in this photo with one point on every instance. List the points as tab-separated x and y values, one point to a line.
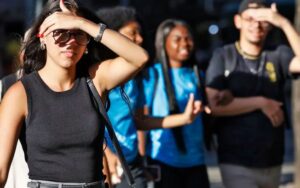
121	116
162	144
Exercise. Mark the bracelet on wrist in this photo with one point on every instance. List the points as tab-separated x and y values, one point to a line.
102	27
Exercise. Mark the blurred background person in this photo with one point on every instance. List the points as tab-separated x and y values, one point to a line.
250	129
126	104
179	152
18	173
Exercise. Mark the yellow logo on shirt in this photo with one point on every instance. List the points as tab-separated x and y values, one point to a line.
270	68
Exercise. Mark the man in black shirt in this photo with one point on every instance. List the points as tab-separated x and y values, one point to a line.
250	129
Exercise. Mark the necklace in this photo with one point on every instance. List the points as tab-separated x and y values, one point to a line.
253	69
259	68
261	59
245	54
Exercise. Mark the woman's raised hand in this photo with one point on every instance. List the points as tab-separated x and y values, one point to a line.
60	20
193	108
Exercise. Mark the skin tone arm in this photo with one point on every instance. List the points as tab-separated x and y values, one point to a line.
192	109
13	110
272	16
142	136
113	162
132	57
142	142
106	171
271	108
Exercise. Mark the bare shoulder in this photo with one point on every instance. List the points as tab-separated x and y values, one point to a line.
15	91
15	98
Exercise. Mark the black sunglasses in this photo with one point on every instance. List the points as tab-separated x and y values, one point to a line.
63	36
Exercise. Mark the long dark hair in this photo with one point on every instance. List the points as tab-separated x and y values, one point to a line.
35	58
162	33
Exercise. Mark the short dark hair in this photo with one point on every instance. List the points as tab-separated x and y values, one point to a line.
246	4
117	17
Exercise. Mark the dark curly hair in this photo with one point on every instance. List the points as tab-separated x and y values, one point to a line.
117	17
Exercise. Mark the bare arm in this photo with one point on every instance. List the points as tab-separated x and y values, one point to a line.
113	163
141	135
271	108
106	171
235	107
12	112
192	110
294	40
111	72
131	59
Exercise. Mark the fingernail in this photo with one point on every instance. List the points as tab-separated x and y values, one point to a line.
40	35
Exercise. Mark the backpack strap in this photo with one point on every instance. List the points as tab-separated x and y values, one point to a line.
230	59
207	119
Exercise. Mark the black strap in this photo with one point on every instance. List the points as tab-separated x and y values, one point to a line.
102	112
230	59
207	119
200	84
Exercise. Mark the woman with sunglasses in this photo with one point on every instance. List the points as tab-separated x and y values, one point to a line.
63	133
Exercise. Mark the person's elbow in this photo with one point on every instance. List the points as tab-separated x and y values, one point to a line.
143	59
295	65
3	178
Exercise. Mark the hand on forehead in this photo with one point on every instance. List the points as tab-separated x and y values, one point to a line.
261	11
265	14
54	21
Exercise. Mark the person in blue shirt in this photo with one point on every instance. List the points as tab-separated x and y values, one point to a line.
179	152
126	104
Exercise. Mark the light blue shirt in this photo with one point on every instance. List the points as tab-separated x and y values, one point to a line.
162	145
121	116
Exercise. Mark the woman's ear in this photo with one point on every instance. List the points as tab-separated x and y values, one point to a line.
237	21
42	41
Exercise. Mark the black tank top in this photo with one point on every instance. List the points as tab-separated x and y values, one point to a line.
64	134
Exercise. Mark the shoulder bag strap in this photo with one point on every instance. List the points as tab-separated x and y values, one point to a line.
102	112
